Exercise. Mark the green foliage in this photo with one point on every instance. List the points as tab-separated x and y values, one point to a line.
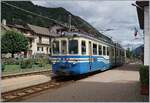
26	63
128	53
13	42
41	63
11	61
41	59
144	74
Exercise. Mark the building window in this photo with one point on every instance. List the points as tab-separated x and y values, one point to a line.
64	47
83	47
42	48
73	46
40	39
94	49
100	49
38	48
104	50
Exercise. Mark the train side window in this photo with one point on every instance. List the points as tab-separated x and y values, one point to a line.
104	50
56	47
100	49
83	47
108	51
117	52
73	46
112	52
63	46
94	49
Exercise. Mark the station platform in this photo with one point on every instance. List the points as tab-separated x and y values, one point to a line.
119	84
22	82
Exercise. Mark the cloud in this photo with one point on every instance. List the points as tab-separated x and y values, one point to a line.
120	16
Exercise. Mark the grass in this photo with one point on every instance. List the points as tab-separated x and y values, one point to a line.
13	69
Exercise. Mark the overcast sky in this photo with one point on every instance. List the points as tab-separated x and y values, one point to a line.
120	16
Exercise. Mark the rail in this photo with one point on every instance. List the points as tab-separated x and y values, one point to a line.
24	74
16	95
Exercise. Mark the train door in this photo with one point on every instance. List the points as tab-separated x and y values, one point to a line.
90	55
111	55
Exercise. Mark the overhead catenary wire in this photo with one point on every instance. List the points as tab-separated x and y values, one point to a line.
36	14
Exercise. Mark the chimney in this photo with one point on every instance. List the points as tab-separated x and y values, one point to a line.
4	22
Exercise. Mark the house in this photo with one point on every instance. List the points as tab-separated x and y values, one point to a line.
143	17
39	37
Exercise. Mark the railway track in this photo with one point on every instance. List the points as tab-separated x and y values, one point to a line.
16	95
25	74
56	82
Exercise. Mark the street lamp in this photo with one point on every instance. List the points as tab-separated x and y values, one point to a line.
103	31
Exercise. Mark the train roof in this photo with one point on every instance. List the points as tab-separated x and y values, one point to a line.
104	39
86	35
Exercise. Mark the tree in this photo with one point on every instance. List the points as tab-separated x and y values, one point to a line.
13	42
128	53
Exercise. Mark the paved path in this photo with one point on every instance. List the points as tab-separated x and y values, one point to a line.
115	85
22	82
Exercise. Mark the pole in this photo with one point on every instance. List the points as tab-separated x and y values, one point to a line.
69	22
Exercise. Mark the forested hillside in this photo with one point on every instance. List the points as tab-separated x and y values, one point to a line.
13	15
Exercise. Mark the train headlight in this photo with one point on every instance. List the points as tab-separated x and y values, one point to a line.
74	62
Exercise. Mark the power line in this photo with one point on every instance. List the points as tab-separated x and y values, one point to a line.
35	14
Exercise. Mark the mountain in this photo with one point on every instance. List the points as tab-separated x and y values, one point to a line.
139	50
13	15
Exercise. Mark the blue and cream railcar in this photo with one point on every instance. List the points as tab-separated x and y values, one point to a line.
79	54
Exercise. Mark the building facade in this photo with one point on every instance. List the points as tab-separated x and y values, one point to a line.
39	37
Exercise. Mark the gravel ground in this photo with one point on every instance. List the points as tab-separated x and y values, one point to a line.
116	85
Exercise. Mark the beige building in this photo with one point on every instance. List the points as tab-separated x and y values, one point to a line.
39	37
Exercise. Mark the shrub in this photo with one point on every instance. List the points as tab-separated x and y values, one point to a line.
23	65
41	57
41	63
27	63
144	74
3	67
10	61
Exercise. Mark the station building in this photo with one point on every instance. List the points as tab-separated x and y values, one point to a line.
143	17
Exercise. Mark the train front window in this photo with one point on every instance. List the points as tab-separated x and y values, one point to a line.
108	51
104	50
56	47
94	49
83	47
64	47
100	49
73	46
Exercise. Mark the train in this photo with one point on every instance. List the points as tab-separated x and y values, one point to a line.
75	53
